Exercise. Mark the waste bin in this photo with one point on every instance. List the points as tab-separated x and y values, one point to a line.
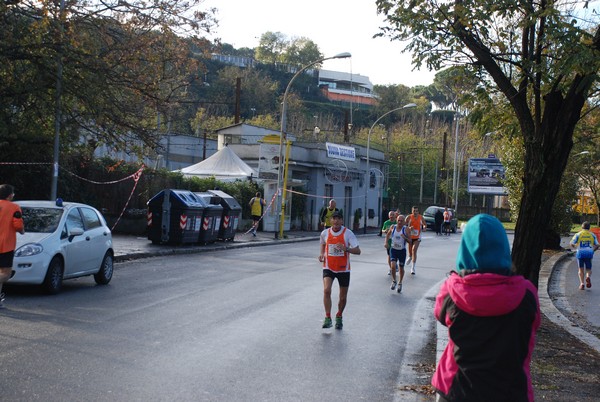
175	217
232	213
211	219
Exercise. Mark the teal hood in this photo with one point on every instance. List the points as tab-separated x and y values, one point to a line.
484	246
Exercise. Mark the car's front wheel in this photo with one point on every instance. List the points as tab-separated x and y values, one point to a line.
54	276
105	273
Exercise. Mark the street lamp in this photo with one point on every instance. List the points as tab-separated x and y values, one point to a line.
281	186
368	172
457	114
462	150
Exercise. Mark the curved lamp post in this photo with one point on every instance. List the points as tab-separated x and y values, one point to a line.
368	172
280	185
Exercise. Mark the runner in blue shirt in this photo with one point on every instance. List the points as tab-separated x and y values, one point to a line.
586	243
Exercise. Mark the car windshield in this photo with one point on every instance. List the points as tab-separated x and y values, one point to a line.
41	220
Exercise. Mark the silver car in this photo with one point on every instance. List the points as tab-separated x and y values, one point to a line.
62	241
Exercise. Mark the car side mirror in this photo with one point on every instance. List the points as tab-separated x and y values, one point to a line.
75	232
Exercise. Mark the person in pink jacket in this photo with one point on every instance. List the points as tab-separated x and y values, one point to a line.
492	318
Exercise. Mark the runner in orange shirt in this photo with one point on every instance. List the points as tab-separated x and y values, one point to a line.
11	222
416	224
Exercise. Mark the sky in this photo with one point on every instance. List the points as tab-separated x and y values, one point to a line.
336	26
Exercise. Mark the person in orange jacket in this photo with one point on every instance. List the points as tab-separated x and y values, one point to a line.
11	222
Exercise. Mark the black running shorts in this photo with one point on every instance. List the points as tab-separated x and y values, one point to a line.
342	277
6	259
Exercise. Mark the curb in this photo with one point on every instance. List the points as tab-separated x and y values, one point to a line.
195	249
552	312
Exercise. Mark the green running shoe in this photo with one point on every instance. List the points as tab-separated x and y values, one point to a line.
338	323
327	322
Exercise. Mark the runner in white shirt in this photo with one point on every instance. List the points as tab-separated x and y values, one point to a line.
399	237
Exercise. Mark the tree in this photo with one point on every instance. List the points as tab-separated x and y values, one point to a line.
541	57
270	47
586	156
118	65
302	51
452	87
275	47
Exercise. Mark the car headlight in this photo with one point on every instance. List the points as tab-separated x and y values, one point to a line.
29	250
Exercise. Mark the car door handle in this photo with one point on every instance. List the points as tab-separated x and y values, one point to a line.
87	238
105	233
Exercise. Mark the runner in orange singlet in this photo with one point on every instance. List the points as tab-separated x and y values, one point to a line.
337	243
416	225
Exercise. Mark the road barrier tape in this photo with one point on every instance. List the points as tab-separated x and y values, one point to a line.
323	196
135	176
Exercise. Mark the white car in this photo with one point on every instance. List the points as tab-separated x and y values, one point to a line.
62	241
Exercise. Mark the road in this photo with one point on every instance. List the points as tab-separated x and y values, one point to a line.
235	325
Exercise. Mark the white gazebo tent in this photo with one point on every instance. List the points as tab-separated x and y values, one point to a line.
224	165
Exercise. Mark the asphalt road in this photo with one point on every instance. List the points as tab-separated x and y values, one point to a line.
230	325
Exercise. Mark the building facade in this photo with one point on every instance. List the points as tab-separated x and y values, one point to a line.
315	171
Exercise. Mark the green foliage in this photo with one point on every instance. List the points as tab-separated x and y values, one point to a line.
275	47
119	67
267	121
357	216
540	58
298	203
560	217
204	122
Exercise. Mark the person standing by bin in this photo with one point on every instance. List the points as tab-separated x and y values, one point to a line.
256	205
586	244
11	223
337	243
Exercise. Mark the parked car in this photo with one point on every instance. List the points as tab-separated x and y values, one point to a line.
62	241
429	216
483	172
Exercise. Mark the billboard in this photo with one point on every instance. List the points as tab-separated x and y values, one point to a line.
486	176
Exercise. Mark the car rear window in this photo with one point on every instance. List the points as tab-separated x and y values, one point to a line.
430	211
41	220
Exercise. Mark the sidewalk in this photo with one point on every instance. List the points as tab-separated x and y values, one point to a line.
129	247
